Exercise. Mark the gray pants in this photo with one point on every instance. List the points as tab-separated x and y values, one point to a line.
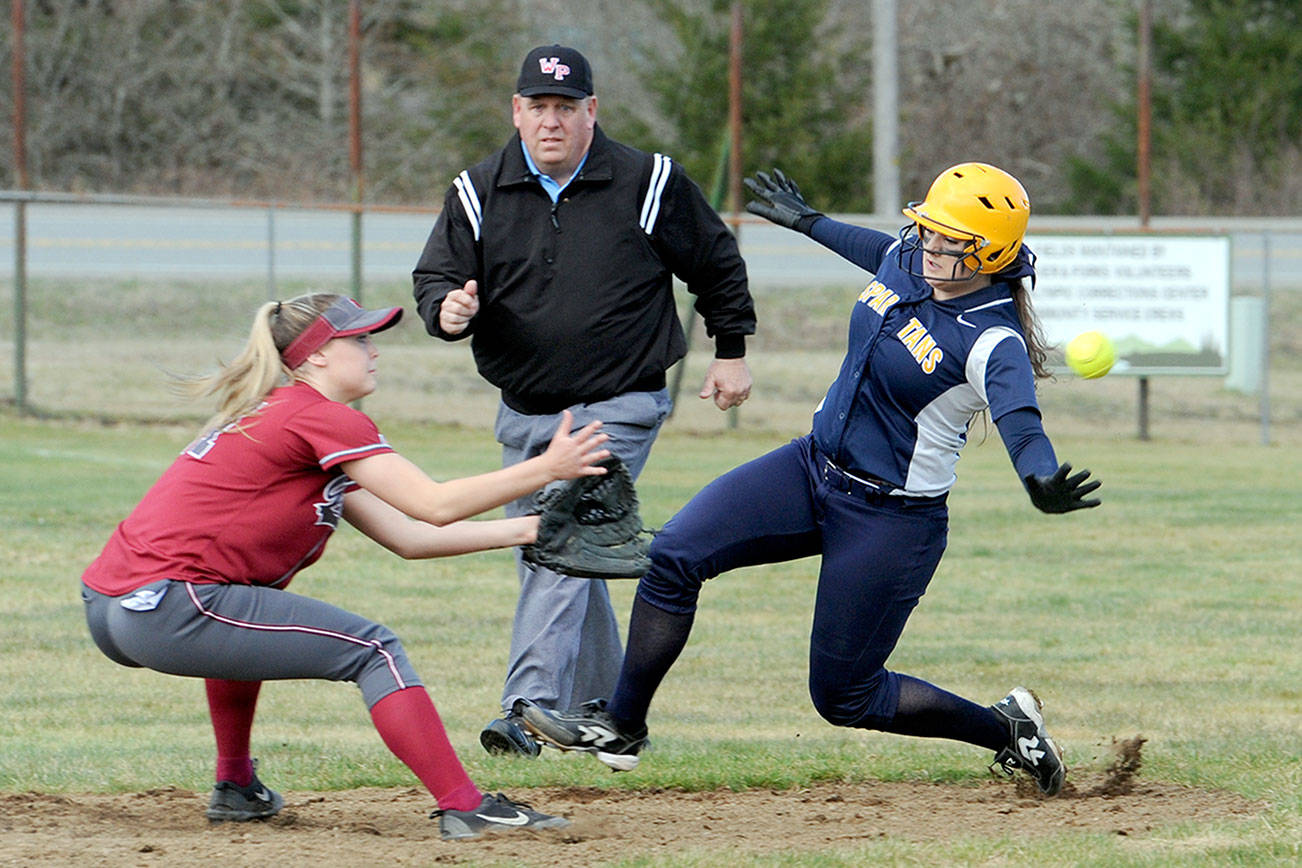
246	633
565	645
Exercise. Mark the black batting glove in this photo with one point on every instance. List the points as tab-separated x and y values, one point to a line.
1060	492
779	200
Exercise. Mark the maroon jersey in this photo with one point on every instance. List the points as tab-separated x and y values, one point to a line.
251	506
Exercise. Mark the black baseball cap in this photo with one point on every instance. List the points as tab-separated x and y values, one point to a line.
555	69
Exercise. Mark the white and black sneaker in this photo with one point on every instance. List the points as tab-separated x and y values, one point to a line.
495	814
1029	746
590	729
235	804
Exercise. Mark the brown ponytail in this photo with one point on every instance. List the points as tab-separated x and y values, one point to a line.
1036	344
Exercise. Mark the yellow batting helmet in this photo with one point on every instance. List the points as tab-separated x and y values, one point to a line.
979	203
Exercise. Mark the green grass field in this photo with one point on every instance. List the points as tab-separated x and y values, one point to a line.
102	349
1174	612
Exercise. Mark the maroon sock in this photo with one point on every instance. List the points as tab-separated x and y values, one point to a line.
231	705
411	728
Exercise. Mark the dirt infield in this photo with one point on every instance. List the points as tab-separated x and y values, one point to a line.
391	826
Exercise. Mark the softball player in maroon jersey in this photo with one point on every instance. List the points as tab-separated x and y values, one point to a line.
193	581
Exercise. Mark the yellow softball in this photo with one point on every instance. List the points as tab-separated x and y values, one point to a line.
1091	354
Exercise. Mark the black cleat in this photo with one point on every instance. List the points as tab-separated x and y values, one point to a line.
507	735
590	729
235	804
494	815
1029	746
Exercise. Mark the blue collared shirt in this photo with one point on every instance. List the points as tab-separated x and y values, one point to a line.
549	184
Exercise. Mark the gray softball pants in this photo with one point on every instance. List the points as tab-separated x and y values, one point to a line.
565	645
246	633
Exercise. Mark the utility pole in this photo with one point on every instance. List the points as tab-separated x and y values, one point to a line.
355	135
1143	101
735	43
17	19
886	113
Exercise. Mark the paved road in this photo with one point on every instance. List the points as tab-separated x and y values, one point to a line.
83	240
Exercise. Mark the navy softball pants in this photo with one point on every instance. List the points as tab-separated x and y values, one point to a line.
246	633
878	551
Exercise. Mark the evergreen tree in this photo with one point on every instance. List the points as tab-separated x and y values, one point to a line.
1226	115
804	105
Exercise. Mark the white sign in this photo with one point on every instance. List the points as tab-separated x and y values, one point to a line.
1163	300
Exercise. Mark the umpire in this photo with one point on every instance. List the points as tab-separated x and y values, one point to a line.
556	257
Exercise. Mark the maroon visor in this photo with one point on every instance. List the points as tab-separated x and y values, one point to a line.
342	319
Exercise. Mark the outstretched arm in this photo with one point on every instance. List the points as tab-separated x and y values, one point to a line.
777	198
404	486
1052	486
1059	492
410	539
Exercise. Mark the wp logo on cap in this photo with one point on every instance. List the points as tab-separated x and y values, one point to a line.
555	69
552	66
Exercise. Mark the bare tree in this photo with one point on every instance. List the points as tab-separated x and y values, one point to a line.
1018	83
248	97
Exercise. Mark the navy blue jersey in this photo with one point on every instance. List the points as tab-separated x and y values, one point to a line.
917	369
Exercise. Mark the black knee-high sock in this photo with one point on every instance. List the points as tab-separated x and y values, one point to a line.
926	710
655	639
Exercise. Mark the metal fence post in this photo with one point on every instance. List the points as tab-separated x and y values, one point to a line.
20	306
271	253
357	254
1265	339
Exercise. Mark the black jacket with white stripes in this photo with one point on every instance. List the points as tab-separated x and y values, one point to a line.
576	298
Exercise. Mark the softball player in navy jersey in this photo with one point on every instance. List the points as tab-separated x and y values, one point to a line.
944	332
193	581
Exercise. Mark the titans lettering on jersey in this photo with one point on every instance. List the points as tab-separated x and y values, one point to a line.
916	372
914	335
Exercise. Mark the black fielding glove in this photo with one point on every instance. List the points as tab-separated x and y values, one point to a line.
1060	492
590	527
780	201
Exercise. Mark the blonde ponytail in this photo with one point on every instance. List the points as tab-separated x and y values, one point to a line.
242	384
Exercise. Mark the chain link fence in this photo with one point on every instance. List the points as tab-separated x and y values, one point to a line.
104	297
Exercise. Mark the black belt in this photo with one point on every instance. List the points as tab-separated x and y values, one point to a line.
859	484
869	487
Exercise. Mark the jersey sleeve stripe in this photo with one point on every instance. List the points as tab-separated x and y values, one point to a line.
469	201
333	458
651	204
979	358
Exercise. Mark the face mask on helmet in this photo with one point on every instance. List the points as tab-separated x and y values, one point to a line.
953	259
973	202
